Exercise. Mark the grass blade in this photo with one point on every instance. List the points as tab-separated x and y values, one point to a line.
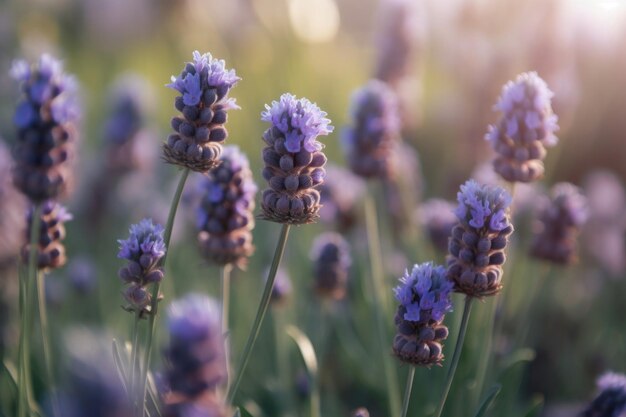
493	392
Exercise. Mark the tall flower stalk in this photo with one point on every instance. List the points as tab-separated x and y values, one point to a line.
294	168
476	254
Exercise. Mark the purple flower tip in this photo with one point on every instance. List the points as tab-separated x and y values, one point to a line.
299	120
612	381
145	238
193	317
425	290
483	205
205	72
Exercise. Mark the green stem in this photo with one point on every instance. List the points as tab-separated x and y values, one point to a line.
45	337
133	392
167	235
483	364
379	292
265	300
225	280
407	390
456	356
25	385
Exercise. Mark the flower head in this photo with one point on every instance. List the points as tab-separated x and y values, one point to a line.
146	238
479	239
331	261
425	293
611	398
299	120
203	86
294	163
526	127
50	249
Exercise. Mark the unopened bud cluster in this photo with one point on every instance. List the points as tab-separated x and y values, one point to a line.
294	162
559	224
331	263
143	250
50	249
478	242
368	143
527	126
204	85
45	119
224	216
424	295
196	358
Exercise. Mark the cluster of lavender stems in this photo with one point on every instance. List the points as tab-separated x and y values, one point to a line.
294	171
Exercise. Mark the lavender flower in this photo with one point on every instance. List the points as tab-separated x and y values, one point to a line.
368	144
559	224
195	355
143	250
331	262
45	120
361	412
611	399
525	129
50	249
82	274
424	295
479	239
294	163
225	217
438	219
204	85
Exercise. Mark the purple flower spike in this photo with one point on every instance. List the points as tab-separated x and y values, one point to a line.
424	295
50	249
203	86
611	398
527	126
331	263
45	119
294	163
143	249
479	239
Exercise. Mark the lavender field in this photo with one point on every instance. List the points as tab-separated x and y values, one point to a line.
282	208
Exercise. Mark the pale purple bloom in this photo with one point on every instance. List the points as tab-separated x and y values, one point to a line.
145	238
208	73
425	293
481	203
300	120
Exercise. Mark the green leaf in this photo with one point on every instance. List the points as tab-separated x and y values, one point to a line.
306	349
519	356
535	408
493	392
11	372
120	364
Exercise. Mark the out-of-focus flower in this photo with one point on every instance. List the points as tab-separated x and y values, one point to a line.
527	126
611	398
603	235
282	286
12	206
203	86
560	221
368	143
424	295
294	161
143	250
82	274
45	120
196	358
438	219
478	242
331	262
50	249
224	216
339	195
361	412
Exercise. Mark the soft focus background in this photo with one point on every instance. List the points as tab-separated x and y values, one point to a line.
460	55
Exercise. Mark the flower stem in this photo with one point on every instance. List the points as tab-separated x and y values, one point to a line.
45	337
407	390
133	392
483	364
265	300
25	384
456	356
379	291
225	281
167	235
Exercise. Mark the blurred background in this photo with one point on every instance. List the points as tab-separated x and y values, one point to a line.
456	57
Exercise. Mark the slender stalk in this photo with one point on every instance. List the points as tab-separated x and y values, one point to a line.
407	390
483	364
133	392
225	281
265	300
167	235
379	291
45	337
25	384
456	356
